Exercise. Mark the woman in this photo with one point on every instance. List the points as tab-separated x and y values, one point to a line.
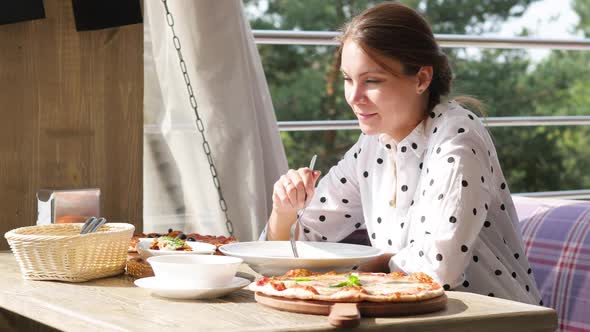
423	178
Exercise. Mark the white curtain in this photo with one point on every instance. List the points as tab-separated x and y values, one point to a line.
234	103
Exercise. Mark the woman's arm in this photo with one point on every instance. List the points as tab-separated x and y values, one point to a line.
455	197
333	208
279	225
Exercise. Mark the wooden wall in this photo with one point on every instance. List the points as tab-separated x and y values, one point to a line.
71	115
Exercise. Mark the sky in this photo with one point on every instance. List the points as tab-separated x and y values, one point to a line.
544	19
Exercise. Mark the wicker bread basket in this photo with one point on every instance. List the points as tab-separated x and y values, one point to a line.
60	252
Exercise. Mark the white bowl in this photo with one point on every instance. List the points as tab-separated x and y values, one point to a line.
276	257
201	271
199	248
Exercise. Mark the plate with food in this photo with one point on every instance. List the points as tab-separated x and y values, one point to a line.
167	245
276	257
216	240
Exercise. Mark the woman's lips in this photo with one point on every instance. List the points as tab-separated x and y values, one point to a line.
365	116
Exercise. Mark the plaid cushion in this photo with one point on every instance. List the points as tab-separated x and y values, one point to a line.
556	234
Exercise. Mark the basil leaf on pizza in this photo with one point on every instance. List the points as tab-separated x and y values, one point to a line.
353	280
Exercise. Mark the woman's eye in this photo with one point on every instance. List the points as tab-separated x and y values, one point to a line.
373	81
347	79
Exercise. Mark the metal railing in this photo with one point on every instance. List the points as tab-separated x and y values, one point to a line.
509	121
562	194
288	37
283	37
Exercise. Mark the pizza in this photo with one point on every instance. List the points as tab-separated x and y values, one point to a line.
350	287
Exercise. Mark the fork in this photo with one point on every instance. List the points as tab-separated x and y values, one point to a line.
299	214
88	225
101	221
92	224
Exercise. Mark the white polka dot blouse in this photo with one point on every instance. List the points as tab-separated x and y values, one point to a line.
438	200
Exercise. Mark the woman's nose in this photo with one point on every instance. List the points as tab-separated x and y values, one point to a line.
357	95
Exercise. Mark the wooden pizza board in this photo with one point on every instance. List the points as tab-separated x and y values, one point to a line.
349	314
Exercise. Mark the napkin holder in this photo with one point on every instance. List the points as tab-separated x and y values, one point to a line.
67	205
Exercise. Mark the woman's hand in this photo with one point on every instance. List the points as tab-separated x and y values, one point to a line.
293	189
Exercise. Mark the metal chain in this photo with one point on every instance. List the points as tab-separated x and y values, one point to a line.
200	126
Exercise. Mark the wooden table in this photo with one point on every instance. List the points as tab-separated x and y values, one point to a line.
115	304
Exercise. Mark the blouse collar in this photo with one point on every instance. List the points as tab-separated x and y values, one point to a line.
417	140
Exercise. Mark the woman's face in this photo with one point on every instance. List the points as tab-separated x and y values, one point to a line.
383	102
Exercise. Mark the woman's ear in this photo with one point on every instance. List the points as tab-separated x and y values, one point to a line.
424	77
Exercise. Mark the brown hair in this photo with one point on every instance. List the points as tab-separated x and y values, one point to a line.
392	30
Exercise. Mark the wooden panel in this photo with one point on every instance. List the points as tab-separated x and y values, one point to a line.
72	115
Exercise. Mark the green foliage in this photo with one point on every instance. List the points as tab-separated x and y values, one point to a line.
306	85
557	157
582	8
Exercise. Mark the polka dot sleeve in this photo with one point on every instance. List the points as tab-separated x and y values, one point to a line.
447	221
335	210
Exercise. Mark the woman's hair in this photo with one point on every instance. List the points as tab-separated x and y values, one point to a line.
392	30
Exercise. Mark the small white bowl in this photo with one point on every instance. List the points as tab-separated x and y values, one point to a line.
199	248
202	271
